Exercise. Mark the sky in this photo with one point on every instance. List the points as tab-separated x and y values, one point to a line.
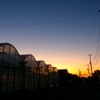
61	32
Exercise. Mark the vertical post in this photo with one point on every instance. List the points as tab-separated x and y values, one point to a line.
23	73
48	75
90	63
79	73
88	70
39	75
53	76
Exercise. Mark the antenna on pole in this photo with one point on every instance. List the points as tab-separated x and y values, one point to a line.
90	64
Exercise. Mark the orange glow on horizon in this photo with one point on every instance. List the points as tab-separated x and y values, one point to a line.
72	64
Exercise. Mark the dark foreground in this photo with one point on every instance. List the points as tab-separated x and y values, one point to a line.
82	91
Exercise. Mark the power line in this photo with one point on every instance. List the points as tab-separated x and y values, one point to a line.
93	30
53	22
97	52
97	47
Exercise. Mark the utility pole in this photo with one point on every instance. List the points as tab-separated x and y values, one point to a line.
79	73
88	69
90	63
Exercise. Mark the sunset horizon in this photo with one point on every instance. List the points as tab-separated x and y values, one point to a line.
62	33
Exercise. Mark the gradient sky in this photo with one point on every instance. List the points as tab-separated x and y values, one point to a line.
60	32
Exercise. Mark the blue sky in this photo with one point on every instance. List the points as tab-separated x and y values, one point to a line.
60	32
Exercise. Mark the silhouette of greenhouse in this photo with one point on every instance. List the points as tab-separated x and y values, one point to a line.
20	72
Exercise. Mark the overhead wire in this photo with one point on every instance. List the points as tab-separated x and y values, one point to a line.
45	23
97	53
94	35
97	49
91	28
94	28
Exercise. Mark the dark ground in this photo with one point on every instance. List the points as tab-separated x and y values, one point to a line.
83	91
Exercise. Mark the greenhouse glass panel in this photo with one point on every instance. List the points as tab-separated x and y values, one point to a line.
4	87
12	50
5	71
6	49
1	48
16	72
6	59
10	87
11	71
1	57
4	78
17	85
0	73
11	79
